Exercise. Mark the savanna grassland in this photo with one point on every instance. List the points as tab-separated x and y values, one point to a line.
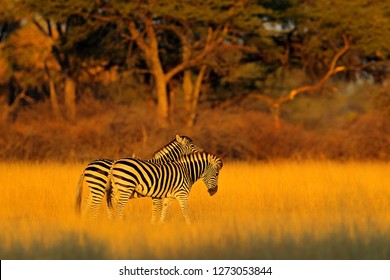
280	210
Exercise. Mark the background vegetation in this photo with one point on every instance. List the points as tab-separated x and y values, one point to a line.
262	80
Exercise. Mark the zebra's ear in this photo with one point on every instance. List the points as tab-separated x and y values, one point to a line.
211	159
179	139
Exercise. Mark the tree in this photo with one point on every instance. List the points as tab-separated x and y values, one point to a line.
65	23
322	38
197	30
9	22
318	33
29	53
275	104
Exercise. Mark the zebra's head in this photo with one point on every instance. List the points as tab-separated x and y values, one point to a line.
210	176
187	145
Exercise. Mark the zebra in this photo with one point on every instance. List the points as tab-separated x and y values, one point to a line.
169	180
95	175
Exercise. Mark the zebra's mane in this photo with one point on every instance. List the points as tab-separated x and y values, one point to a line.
172	149
165	152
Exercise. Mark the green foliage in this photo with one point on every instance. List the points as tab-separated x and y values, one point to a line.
10	10
322	25
60	10
28	51
245	72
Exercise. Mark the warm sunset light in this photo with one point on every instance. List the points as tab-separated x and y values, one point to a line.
226	129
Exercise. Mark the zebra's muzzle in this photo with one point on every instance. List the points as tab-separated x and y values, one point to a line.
212	191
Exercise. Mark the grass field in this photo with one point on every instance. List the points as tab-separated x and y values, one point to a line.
286	210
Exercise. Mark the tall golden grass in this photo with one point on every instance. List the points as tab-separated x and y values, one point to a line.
282	210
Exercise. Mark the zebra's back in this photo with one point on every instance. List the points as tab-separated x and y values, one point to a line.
96	172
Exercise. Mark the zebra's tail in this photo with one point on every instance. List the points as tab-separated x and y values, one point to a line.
109	187
79	194
109	193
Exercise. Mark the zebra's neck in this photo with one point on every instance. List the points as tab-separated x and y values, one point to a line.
170	152
195	164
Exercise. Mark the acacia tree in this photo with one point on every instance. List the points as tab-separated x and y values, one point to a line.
9	22
276	103
197	30
321	25
29	53
64	23
323	38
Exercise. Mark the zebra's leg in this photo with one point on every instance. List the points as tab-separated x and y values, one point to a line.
96	196
183	201
109	205
86	206
112	202
92	204
166	204
124	196
156	209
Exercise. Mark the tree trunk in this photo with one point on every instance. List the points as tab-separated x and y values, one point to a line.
70	98
276	116
151	51
162	98
195	97
172	88
160	86
188	85
188	89
4	117
8	109
54	100
4	113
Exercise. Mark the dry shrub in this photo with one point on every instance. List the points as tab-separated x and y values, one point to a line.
248	135
105	129
368	138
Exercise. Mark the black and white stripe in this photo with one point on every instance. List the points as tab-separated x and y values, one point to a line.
95	175
172	180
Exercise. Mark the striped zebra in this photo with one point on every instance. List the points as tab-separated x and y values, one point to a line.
170	180
95	175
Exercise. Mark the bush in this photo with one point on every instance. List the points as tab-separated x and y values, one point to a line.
108	130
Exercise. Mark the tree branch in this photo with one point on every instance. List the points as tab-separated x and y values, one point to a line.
41	28
15	104
333	69
136	36
264	98
276	103
213	40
